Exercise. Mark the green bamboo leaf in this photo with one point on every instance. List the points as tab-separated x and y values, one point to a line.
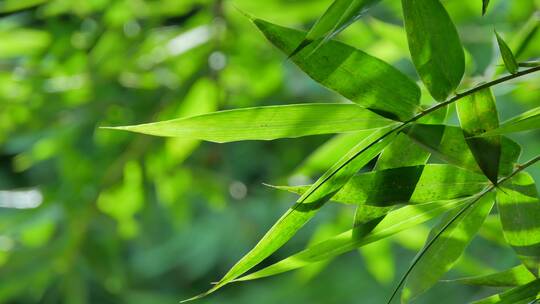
519	210
402	152
509	60
524	294
435	47
339	15
330	152
394	222
266	123
529	120
485	4
307	206
366	80
478	114
411	185
529	64
445	245
512	277
448	143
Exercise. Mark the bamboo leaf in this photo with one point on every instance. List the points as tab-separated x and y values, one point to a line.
448	143
519	210
330	152
394	222
366	80
402	152
478	114
306	207
529	120
509	60
485	4
337	17
524	294
445	245
266	123
435	46
512	277
412	185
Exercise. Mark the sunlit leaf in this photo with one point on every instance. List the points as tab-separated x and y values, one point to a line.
266	123
330	152
402	152
448	143
515	276
445	245
519	210
435	46
306	207
510	61
366	80
529	120
524	294
393	223
337	17
478	114
414	185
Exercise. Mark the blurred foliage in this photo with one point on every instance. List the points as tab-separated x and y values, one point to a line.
93	216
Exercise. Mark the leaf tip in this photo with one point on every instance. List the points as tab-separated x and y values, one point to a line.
244	13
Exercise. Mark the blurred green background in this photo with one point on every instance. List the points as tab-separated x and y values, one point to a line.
97	216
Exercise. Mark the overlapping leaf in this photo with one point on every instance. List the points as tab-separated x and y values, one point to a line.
330	152
364	79
529	120
445	245
478	114
338	16
307	206
267	123
524	294
413	185
519	210
448	143
512	277
393	223
435	46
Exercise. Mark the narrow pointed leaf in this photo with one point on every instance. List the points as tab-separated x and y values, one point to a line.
448	143
393	223
509	60
512	277
337	17
412	185
341	172
306	207
485	4
330	152
447	242
478	114
267	123
524	294
435	46
364	79
527	121
519	210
